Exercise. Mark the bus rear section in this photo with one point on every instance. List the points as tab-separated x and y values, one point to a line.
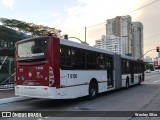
34	70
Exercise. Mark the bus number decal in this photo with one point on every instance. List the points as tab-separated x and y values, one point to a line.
39	68
72	76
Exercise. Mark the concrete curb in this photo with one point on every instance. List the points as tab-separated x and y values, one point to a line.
12	99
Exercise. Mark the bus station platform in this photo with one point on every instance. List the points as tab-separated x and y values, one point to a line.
8	96
6	93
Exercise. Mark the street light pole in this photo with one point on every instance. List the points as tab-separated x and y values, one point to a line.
146	53
79	40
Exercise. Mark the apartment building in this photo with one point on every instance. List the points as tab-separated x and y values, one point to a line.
121	26
137	42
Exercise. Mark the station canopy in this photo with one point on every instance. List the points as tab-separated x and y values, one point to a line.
6	52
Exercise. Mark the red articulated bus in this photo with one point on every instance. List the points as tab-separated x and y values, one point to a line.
54	68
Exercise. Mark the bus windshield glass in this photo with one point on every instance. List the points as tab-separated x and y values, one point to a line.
32	48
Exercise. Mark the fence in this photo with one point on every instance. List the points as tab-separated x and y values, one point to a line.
6	68
7	86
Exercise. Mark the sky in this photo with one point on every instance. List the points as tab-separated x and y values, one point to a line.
72	16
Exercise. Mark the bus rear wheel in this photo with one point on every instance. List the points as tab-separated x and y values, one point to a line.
127	82
93	90
139	80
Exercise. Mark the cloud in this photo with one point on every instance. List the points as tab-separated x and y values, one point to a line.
8	3
94	11
55	14
87	13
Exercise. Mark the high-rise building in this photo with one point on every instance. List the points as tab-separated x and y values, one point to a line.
115	44
112	43
121	26
137	42
121	32
100	43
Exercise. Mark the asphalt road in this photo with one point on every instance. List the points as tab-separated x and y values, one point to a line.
145	97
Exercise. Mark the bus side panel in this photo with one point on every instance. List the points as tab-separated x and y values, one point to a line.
77	82
124	77
56	61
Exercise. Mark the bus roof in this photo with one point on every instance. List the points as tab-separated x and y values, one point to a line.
31	39
83	46
80	45
128	57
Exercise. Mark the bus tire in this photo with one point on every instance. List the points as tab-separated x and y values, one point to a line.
127	82
93	90
139	80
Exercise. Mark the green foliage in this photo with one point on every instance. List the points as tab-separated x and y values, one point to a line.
29	28
149	66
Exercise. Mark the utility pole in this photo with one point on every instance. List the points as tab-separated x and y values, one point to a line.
85	33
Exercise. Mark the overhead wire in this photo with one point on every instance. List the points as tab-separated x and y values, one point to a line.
128	12
152	36
142	7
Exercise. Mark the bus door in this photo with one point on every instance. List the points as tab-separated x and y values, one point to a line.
109	63
110	77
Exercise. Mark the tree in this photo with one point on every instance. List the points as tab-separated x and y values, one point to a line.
149	66
30	28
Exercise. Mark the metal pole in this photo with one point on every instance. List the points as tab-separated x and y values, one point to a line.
146	53
10	69
85	34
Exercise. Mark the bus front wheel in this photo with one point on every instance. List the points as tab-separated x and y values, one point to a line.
93	90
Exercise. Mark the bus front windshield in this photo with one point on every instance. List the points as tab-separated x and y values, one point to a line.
32	48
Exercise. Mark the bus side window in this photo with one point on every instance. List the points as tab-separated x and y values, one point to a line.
78	57
123	66
65	57
101	61
128	68
109	63
135	67
91	60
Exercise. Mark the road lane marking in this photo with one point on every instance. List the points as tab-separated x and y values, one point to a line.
156	81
